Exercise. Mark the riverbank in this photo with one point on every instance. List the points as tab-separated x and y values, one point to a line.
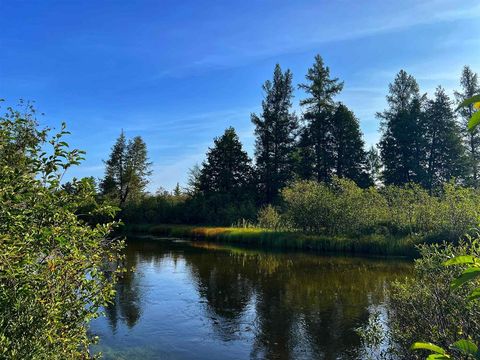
363	245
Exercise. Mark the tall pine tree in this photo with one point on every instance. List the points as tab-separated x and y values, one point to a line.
444	148
470	87
275	135
127	170
349	153
402	126
316	151
227	168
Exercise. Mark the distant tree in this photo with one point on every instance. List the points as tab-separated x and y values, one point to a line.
469	87
227	168
275	135
138	168
177	191
127	170
316	153
349	155
374	164
402	145
444	149
193	182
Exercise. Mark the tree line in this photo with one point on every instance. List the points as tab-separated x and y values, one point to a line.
422	141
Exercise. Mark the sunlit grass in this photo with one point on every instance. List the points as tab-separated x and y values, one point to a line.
365	244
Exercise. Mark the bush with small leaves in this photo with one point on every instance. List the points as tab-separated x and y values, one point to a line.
56	269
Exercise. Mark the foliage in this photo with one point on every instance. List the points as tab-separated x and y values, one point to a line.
126	171
275	135
445	159
285	239
349	153
342	207
186	207
269	218
56	270
464	347
412	317
227	169
316	144
373	165
402	144
469	87
452	318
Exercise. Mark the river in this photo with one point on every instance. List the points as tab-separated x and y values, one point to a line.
193	300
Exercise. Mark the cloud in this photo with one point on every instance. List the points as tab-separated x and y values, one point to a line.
308	27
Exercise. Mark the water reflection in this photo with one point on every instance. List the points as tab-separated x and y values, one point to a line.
207	300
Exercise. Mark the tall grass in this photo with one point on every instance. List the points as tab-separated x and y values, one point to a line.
257	237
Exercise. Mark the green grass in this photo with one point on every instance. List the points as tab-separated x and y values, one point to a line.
367	244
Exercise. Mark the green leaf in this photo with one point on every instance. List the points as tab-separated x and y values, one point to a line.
468	275
469	101
466	346
427	346
458	260
475	294
438	357
474	121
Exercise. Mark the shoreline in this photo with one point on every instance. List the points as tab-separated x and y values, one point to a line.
378	245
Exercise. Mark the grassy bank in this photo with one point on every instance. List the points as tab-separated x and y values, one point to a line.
367	245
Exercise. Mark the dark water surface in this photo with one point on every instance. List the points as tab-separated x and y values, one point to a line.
203	301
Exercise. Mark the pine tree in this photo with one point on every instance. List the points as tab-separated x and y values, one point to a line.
275	135
193	182
138	168
349	153
127	170
374	165
227	169
317	143
402	144
113	184
444	149
177	191
470	87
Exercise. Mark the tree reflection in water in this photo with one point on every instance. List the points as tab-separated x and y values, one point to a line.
282	306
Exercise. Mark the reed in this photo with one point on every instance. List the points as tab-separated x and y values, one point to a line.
257	237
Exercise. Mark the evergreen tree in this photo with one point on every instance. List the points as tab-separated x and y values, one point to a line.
402	144
470	87
127	170
113	184
349	153
177	191
374	165
317	144
138	168
275	135
444	149
227	169
193	182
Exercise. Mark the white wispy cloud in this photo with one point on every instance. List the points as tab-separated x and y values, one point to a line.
305	30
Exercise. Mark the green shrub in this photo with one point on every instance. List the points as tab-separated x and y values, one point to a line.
56	270
343	208
269	218
426	308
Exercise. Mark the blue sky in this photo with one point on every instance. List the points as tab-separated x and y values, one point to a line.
179	72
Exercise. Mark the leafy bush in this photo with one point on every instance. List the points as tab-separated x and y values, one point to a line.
308	206
269	218
344	208
56	270
427	308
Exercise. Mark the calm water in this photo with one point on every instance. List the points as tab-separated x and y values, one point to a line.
202	301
